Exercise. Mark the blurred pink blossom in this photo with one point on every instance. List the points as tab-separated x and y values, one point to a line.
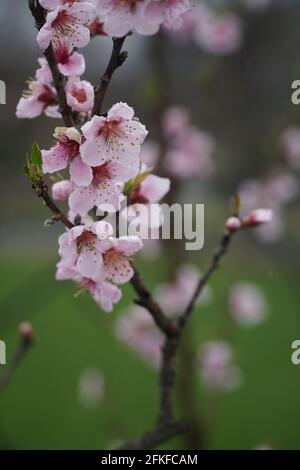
247	303
189	152
216	366
137	329
290	143
175	296
216	33
91	387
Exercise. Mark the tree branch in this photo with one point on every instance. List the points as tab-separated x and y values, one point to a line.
214	264
146	300
59	80
156	436
116	60
41	190
25	344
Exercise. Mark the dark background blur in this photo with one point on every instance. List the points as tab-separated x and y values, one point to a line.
243	100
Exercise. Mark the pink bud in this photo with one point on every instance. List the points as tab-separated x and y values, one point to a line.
259	217
62	190
26	331
233	224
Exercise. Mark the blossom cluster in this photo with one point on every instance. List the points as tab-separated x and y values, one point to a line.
214	32
76	19
101	155
189	149
217	31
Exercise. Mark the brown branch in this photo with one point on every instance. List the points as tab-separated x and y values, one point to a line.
59	80
146	300
116	60
26	342
41	190
156	436
214	264
166	426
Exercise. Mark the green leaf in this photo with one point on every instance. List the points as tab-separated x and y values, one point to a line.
36	156
27	171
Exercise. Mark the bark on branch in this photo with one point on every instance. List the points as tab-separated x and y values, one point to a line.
116	60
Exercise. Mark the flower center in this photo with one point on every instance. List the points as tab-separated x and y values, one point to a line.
62	53
86	240
61	20
100	173
47	96
79	94
110	130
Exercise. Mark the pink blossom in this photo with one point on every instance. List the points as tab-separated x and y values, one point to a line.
233	224
80	95
290	143
191	155
62	190
247	303
143	212
175	120
137	329
44	74
104	293
38	99
26	331
216	366
122	17
117	137
144	16
150	154
67	22
65	151
217	33
53	4
151	190
102	188
273	192
175	296
91	387
116	254
258	217
82	245
69	63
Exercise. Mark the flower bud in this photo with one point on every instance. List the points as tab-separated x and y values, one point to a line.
233	224
258	217
26	332
62	190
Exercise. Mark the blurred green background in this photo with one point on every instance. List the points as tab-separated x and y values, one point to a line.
244	101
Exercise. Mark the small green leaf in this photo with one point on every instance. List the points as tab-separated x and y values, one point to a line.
128	187
36	156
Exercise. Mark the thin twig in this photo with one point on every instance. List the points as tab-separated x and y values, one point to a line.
145	299
156	436
25	344
59	80
41	190
214	264
116	60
